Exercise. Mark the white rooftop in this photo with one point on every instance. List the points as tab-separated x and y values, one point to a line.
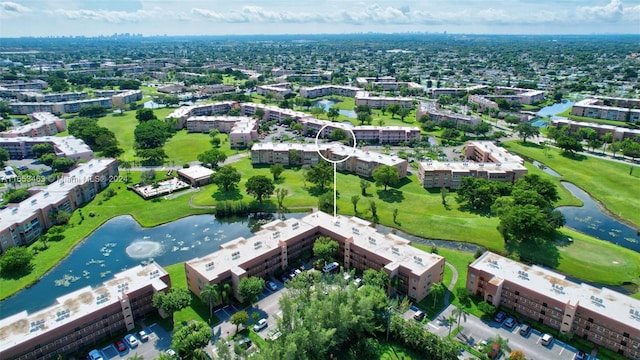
612	304
22	326
195	172
466	166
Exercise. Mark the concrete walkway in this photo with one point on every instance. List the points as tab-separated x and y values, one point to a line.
452	284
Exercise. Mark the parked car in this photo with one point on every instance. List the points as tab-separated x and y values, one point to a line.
500	317
546	339
143	336
95	355
580	355
510	323
419	315
271	285
261	324
131	340
171	353
245	342
525	330
119	344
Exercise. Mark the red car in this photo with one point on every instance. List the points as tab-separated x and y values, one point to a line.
120	345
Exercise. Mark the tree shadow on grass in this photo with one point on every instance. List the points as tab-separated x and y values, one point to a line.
232	195
17	274
317	191
573	156
390	195
543	252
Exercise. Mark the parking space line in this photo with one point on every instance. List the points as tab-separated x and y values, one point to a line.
433	326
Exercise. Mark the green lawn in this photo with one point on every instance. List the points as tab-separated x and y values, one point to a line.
607	181
184	147
147	213
197	310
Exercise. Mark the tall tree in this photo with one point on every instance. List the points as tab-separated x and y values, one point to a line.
333	114
437	290
460	313
260	187
281	193
320	174
354	201
145	115
250	287
325	249
276	171
394	109
227	177
526	130
385	175
403	112
364	185
210	295
212	158
188	339
172	301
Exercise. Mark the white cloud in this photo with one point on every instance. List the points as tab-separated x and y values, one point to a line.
105	15
613	11
10	9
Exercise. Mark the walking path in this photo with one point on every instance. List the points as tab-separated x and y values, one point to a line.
452	284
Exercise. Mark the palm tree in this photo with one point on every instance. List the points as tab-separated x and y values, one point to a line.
226	293
504	345
460	312
450	320
437	290
210	295
199	354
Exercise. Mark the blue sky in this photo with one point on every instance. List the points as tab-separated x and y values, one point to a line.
215	17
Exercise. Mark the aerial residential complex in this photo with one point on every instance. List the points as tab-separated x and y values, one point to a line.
202	118
360	162
277	90
600	315
326	90
609	108
483	159
279	243
22	223
84	317
378	102
618	133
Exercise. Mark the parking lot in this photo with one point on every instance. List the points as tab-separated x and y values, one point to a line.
159	341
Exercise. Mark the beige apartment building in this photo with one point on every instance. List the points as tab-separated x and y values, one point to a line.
44	124
126	97
63	146
364	133
436	114
483	159
326	90
378	102
22	223
277	90
179	116
618	133
609	108
599	315
361	163
82	318
279	243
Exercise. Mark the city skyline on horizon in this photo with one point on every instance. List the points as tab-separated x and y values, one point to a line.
58	18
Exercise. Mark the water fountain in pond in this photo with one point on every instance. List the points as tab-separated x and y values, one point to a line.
144	249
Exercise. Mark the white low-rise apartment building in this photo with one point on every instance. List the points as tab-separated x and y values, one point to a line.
326	90
360	162
364	133
52	97
64	146
618	133
483	159
179	116
58	107
126	97
435	113
378	102
277	90
44	124
280	243
83	317
23	222
608	108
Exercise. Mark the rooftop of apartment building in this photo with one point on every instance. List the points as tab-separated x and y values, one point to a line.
499	153
335	148
54	192
598	104
367	95
22	326
39	118
232	255
346	87
69	145
466	166
223	118
556	286
563	122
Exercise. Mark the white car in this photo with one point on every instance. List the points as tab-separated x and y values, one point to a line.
131	341
262	323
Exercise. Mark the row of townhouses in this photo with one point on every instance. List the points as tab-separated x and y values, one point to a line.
618	133
609	108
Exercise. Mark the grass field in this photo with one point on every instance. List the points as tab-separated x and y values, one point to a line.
607	181
197	310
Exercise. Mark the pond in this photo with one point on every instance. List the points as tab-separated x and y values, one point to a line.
546	169
590	219
555	108
152	105
122	243
327	104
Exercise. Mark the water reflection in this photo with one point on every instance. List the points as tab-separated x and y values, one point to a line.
590	220
327	104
